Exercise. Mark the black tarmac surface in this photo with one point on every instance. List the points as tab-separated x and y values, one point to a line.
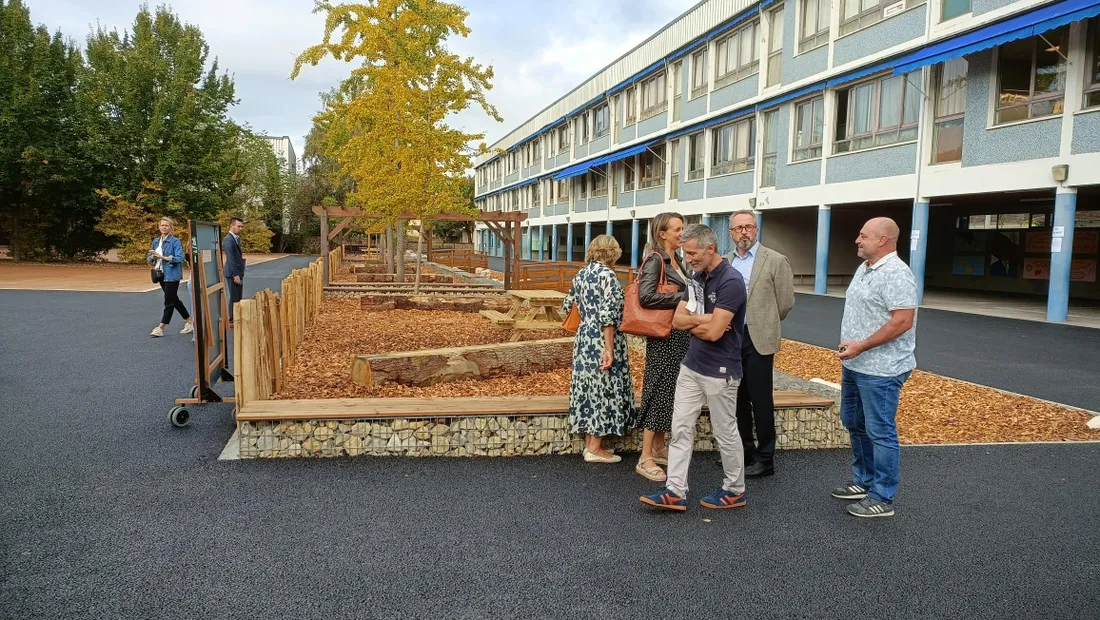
108	512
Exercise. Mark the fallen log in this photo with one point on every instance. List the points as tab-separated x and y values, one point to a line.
432	366
425	278
456	303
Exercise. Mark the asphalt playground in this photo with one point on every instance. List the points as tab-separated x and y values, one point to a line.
106	511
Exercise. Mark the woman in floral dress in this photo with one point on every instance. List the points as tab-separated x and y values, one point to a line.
601	394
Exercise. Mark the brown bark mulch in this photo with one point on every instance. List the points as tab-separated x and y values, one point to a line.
935	409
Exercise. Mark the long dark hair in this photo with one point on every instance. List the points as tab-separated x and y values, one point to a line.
657	225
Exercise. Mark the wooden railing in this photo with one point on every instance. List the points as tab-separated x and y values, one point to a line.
461	259
336	260
267	330
558	276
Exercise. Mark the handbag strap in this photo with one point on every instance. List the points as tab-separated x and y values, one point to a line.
664	278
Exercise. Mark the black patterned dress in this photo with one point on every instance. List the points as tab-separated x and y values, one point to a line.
662	368
600	403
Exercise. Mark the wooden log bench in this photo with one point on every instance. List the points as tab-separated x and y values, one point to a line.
431	366
456	303
490	426
425	278
499	319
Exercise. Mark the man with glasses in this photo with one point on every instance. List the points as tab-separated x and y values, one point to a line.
769	284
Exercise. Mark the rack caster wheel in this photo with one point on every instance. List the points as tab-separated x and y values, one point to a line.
179	417
194	391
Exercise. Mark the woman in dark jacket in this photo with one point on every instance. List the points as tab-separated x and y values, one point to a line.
662	355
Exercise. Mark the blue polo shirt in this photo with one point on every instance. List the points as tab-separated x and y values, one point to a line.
722	288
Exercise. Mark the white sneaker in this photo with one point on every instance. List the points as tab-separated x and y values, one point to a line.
157	332
187	328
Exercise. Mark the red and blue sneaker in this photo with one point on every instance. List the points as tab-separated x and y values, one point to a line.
723	499
666	499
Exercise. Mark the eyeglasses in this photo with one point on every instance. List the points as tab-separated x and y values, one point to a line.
746	228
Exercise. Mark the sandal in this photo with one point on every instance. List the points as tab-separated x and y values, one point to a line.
662	458
654	473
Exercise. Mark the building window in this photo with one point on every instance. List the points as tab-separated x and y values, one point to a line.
629	165
654	95
699	73
950	9
809	129
775	47
883	111
674	164
652	163
536	194
1092	78
814	25
737	56
771	147
1032	77
695	157
856	14
631	104
603	121
947	130
599	181
734	147
582	186
563	138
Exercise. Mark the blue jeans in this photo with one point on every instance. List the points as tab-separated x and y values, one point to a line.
868	407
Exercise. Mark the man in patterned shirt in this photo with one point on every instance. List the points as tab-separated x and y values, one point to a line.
878	336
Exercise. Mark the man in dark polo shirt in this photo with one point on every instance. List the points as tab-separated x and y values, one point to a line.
714	313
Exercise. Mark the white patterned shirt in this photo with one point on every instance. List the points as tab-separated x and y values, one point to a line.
875	291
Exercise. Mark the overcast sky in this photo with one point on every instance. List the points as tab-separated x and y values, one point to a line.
539	49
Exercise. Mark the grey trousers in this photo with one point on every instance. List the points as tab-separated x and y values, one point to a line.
720	395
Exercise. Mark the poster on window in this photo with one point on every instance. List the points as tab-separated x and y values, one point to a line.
968	266
1081	270
1084	242
969	240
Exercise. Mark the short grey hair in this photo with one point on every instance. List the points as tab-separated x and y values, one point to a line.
748	212
701	233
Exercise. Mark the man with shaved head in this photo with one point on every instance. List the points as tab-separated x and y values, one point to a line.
878	336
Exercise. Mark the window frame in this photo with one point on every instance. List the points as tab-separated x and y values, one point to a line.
775	47
736	161
1033	76
769	125
696	155
657	176
937	118
658	84
1091	84
844	145
599	189
630	169
699	72
811	150
820	37
870	16
597	132
742	70
943	4
630	106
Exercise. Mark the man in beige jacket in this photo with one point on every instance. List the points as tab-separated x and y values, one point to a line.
770	285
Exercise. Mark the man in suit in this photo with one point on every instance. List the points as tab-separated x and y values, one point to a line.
770	287
234	263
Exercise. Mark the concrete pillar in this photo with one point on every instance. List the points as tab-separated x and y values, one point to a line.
569	242
554	242
542	243
530	240
635	237
705	220
1061	253
587	235
759	225
918	246
821	273
610	231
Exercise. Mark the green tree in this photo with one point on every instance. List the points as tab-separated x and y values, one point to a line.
156	113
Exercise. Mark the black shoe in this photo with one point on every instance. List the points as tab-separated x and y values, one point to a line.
758	470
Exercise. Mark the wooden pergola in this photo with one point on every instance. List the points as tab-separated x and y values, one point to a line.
505	226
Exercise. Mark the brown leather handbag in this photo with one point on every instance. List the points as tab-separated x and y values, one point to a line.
648	322
573	320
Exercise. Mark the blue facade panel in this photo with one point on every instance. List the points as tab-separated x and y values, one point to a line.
691	190
730	184
625	200
979	7
800	66
582	151
580	206
1086	133
597	204
653	124
695	108
599	144
873	164
803	174
626	134
649	196
737	92
881	36
511	178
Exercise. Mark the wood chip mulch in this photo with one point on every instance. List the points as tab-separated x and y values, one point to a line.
935	409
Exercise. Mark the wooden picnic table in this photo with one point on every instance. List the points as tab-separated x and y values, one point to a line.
531	309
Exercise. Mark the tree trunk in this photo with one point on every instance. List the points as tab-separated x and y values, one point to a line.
400	271
419	250
387	248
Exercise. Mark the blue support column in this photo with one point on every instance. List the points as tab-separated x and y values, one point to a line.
705	220
759	225
554	242
821	273
918	246
542	243
610	230
587	235
569	242
634	239
530	240
1061	253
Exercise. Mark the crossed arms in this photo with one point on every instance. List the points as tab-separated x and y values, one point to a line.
705	326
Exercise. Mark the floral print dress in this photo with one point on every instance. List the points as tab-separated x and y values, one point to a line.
600	403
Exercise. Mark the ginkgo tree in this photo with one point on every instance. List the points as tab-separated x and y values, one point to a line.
389	123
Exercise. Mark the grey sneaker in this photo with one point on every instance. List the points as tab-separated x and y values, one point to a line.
849	491
870	507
